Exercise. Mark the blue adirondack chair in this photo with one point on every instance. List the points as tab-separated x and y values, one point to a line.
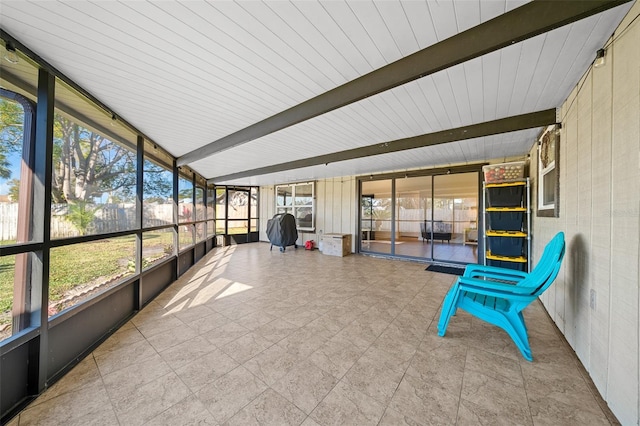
499	295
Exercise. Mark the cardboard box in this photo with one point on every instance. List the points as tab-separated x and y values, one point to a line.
336	244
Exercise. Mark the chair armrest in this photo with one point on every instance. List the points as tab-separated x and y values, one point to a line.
492	288
473	271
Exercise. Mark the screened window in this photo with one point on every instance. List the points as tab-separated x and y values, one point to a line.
298	200
157	195
16	142
94	170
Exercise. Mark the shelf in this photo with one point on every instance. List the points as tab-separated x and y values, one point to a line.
493	233
506	209
503	184
518	259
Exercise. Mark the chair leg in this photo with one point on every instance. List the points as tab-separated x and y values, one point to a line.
449	309
510	322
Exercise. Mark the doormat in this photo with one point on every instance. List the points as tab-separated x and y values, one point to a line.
445	269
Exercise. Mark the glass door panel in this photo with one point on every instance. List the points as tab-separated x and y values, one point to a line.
455	218
413	214
376	213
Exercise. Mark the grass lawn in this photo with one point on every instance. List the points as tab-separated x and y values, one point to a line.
83	263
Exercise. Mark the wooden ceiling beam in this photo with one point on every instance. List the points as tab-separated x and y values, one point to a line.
524	22
488	128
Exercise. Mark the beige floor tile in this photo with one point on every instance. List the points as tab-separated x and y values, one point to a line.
276	330
227	333
498	367
89	405
83	375
147	401
393	418
424	402
373	379
227	395
152	326
208	323
336	356
268	409
271	364
125	336
255	320
193	313
124	356
490	399
173	336
246	347
305	385
206	369
189	411
182	354
122	382
345	405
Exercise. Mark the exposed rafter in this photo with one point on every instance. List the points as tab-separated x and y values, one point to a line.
524	22
488	128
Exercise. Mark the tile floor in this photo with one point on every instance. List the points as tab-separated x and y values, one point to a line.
257	337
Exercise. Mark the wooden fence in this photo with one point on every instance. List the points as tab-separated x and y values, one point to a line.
107	218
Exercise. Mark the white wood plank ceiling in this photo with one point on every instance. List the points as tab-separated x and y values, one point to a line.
189	73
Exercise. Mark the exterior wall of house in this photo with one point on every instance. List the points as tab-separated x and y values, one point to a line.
595	300
336	209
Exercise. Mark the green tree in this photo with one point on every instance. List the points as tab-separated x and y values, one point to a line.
81	215
14	190
88	165
11	133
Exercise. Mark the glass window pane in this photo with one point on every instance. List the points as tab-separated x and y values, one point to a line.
221	202
211	228
14	291
284	195
94	169
211	203
157	195
185	236
14	177
304	195
185	200
549	188
304	217
156	246
200	207
237	227
254	225
201	233
254	203
238	204
80	271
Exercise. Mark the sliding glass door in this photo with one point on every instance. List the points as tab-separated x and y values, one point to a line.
428	217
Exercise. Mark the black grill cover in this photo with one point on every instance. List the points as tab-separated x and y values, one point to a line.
281	230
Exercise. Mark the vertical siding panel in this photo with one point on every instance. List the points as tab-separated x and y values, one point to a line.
569	208
600	255
336	216
580	247
267	209
320	206
328	206
623	349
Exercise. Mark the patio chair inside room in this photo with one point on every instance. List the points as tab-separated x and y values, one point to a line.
498	295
